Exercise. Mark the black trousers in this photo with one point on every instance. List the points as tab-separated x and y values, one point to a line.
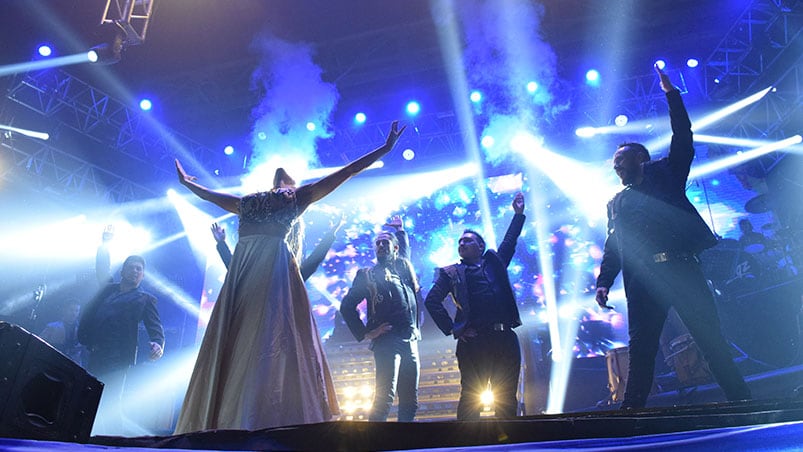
651	289
495	357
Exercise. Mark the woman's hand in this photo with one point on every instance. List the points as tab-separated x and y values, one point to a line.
183	177
394	134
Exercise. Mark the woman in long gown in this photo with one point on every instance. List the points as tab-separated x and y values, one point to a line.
261	363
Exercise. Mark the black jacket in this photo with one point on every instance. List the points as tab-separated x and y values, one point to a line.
451	280
367	284
109	325
656	216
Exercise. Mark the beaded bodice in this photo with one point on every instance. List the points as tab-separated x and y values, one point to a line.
270	212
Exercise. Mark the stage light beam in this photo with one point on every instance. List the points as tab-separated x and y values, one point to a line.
734	160
17	68
711	118
26	132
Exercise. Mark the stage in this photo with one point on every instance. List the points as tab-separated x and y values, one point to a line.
768	425
691	418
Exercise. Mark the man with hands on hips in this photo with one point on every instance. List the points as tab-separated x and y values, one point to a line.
488	350
391	291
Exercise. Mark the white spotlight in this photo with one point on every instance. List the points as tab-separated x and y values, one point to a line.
408	154
585	132
487	141
692	62
620	120
525	142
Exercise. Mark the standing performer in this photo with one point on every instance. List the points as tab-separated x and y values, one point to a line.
488	350
654	235
391	291
109	328
261	362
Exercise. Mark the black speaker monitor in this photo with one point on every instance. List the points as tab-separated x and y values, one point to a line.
43	394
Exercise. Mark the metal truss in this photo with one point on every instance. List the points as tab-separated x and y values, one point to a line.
776	117
46	168
643	97
761	49
756	52
123	131
752	52
133	15
431	136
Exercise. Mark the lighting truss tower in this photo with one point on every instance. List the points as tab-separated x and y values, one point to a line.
137	145
133	15
46	168
754	48
761	49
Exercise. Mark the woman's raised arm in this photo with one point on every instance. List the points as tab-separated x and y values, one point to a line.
225	201
308	194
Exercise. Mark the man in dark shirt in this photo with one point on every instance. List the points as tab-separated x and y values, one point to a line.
488	350
391	291
109	328
654	235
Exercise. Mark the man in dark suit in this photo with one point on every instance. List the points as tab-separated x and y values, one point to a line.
109	328
488	350
654	235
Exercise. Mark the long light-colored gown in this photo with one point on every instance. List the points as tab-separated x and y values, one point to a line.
261	362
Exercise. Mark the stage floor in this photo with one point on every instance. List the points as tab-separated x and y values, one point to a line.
768	425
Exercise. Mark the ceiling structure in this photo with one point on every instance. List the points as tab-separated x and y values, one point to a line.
198	59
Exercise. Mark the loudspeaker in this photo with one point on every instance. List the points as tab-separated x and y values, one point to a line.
765	324
43	394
